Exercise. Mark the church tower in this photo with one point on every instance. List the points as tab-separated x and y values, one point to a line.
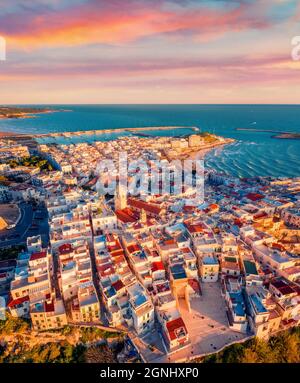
121	198
143	216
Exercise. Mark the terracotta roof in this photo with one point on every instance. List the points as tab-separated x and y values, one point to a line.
151	208
119	259
133	248
117	253
116	246
118	285
261	214
174	327
170	241
65	249
36	256
188	208
157	266
186	250
18	301
195	228
106	270
254	196
126	216
278	246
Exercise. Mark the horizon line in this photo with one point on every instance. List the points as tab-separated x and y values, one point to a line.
156	104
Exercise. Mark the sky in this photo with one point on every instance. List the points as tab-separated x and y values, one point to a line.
149	51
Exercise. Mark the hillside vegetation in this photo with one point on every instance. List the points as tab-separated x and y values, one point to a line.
18	344
32	161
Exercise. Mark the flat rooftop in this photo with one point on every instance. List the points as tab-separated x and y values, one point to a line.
210	261
250	267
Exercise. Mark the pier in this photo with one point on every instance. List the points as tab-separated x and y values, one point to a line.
95	132
118	130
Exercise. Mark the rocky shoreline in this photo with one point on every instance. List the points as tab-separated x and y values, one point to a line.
11	112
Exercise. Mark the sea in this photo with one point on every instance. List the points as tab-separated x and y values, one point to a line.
255	152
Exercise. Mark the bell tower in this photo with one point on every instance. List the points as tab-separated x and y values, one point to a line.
121	198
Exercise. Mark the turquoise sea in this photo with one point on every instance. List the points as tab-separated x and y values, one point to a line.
253	153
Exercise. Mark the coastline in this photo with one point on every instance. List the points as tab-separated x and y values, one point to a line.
25	115
197	153
200	154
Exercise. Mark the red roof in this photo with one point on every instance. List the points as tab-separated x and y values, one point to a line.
49	306
238	222
65	249
156	266
174	327
261	214
278	246
188	208
117	253
106	270
126	216
254	196
133	248
195	228
115	247
18	301
151	208
36	256
118	285
119	259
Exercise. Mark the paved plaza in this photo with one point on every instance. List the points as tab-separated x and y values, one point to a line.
207	324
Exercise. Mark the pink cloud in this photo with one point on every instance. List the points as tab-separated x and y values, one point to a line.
94	23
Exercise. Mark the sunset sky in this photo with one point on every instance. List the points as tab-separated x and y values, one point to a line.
149	51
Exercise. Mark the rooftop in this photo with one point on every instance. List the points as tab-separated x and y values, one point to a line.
210	261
